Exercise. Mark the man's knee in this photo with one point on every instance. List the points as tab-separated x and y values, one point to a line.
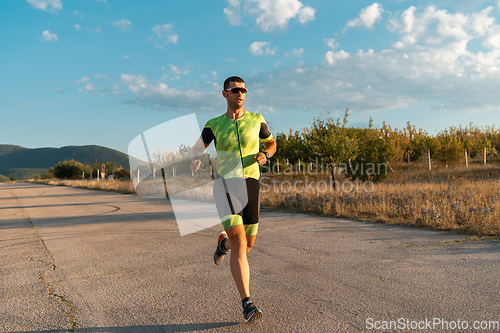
238	241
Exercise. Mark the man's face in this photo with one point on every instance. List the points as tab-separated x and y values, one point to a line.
235	100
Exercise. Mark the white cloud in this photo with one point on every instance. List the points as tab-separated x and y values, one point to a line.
330	42
165	32
60	90
269	15
257	48
126	57
83	80
233	12
51	6
77	13
482	21
433	25
332	57
295	52
94	31
101	77
492	40
89	87
77	27
367	17
49	37
177	70
123	24
160	95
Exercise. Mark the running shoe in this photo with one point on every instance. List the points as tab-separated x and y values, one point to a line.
251	313
218	253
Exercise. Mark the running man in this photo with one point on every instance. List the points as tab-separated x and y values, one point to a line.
236	137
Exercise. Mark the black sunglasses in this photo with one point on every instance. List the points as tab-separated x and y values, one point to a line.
237	90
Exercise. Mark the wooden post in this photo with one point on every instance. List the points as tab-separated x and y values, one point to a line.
466	159
333	177
97	174
154	173
310	166
408	160
83	175
429	158
138	175
299	165
131	175
484	155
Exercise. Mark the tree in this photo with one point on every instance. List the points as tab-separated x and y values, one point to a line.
68	170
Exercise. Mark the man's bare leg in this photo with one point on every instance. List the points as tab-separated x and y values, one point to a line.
240	270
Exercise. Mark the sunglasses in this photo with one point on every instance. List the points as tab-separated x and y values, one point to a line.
237	90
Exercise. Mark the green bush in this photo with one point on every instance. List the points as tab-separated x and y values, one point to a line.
68	170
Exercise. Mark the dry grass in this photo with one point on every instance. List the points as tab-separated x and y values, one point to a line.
465	200
106	185
460	199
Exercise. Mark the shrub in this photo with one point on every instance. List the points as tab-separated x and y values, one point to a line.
68	170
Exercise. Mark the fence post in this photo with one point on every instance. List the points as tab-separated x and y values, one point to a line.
429	158
83	175
484	155
154	173
299	165
408	160
97	174
466	159
138	175
131	175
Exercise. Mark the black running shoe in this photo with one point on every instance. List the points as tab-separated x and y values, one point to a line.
218	253
251	313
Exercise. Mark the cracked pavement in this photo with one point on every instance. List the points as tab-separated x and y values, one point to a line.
76	260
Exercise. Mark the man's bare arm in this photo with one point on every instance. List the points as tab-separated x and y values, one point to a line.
196	152
270	148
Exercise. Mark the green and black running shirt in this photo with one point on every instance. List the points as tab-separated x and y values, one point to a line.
237	142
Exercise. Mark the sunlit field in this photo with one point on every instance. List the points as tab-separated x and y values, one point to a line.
461	199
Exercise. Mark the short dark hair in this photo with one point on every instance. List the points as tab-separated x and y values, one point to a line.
232	79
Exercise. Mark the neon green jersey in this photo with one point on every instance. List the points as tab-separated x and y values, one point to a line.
237	142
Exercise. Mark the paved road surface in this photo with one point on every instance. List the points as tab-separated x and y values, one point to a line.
106	262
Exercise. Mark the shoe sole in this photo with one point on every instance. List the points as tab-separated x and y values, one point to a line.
218	259
255	316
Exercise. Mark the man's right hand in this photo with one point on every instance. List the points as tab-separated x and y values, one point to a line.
195	165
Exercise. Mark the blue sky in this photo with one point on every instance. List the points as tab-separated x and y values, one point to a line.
102	72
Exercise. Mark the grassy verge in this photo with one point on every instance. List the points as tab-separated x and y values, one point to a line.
106	185
464	200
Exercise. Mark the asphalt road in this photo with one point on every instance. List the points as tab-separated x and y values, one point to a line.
76	260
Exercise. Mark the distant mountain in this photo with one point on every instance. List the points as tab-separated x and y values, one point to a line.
23	173
46	158
3	179
7	149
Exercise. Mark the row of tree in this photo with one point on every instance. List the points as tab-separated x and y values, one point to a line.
75	170
360	151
